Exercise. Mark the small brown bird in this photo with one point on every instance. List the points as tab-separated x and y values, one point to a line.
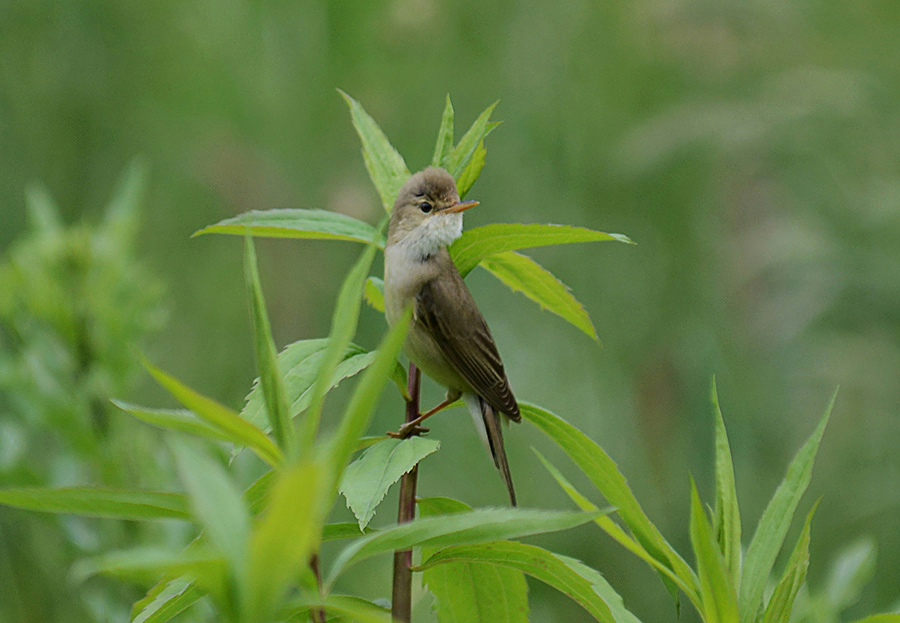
449	339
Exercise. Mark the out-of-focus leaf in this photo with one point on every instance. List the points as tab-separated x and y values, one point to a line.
174	419
467	591
605	475
727	513
478	526
367	480
384	164
774	524
297	223
122	210
880	618
93	502
470	174
286	536
782	601
270	379
149	563
374	293
444	143
574	579
462	154
480	242
228	421
43	213
347	607
851	570
716	590
165	601
215	502
343	326
343	530
523	274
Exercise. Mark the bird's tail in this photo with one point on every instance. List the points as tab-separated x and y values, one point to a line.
487	421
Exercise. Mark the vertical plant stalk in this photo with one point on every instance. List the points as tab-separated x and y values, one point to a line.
317	616
401	597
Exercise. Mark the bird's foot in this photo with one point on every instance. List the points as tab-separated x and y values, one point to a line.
409	429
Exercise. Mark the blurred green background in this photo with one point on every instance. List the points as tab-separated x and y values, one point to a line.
751	149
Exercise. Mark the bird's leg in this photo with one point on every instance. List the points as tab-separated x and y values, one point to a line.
412	427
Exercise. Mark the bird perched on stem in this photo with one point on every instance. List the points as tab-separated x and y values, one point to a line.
449	339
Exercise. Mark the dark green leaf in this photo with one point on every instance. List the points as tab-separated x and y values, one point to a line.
478	243
367	480
716	590
93	502
297	223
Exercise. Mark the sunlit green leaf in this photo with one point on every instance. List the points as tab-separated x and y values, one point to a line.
727	514
717	592
444	143
480	242
367	480
148	563
374	293
180	420
94	502
462	154
347	607
472	171
297	223
166	601
774	524
523	274
384	164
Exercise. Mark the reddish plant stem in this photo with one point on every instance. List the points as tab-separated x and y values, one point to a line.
401	599
317	616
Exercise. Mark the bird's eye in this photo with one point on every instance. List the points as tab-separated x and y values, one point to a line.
425	207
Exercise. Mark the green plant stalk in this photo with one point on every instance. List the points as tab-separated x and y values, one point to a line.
401	595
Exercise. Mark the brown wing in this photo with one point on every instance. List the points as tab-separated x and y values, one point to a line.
465	340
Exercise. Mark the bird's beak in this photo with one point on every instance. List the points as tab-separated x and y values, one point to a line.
460	207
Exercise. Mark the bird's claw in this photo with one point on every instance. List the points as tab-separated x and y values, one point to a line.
406	431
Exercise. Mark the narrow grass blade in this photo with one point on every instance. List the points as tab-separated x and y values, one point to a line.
384	164
93	502
165	601
782	601
215	502
270	379
612	529
478	243
523	274
285	536
462	154
367	480
343	327
605	475
180	420
444	143
470	591
478	526
774	524
226	420
716	589
297	223
727	513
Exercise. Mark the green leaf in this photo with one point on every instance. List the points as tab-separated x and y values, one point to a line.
384	164
367	480
148	563
365	397
574	579
782	601
286	536
478	526
605	475
342	530
215	502
616	532
43	212
774	524
343	327
122	210
462	154
716	590
297	223
444	143
180	420
476	244
165	601
270	379
880	618
226	420
851	570
523	274
93	502
472	171
467	591
374	293
727	514
354	608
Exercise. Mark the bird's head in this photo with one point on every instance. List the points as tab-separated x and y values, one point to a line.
427	215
